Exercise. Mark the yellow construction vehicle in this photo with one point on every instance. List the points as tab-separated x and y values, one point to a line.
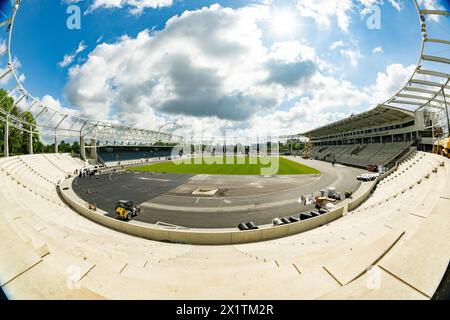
125	210
442	147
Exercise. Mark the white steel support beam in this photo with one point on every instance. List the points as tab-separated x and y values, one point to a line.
433	73
436	59
428	83
435	12
94	154
82	149
30	144
437	41
6	137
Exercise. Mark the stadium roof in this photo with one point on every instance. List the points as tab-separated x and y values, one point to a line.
374	117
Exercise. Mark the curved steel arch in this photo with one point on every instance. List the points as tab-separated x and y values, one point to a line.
58	123
420	93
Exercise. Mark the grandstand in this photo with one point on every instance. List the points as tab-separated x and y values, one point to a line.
404	220
378	137
389	241
113	156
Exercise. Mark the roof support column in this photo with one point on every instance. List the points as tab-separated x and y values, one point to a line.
82	149
94	149
6	137
446	112
56	143
30	144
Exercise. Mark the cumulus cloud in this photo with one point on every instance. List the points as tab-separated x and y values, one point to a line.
353	55
69	58
136	6
350	51
367	5
325	11
56	105
337	44
290	74
210	67
390	81
331	100
397	4
379	50
322	11
207	63
8	78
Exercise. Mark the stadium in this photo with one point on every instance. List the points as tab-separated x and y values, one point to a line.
354	209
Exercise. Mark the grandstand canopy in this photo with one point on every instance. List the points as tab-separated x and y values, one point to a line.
375	117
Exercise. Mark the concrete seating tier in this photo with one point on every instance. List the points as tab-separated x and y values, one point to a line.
360	155
393	246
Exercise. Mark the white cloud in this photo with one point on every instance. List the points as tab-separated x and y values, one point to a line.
69	58
226	77
137	6
332	100
397	4
226	73
9	77
69	2
3	46
322	11
350	51
367	4
51	119
379	50
389	82
354	55
56	105
337	44
431	5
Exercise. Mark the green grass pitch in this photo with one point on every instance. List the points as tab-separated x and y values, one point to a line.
228	166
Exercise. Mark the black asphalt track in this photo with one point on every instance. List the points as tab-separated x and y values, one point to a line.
105	190
165	197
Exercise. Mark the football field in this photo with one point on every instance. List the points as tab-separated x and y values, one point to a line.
230	166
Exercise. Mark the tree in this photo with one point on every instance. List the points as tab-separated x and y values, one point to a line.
19	137
75	147
6	104
28	117
64	147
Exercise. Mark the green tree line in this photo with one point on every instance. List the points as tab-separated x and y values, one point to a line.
19	140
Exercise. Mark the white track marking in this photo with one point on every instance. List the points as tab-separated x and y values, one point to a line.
152	179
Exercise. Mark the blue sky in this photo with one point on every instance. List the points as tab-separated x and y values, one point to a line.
310	67
46	19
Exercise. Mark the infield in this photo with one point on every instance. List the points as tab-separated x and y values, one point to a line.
230	166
